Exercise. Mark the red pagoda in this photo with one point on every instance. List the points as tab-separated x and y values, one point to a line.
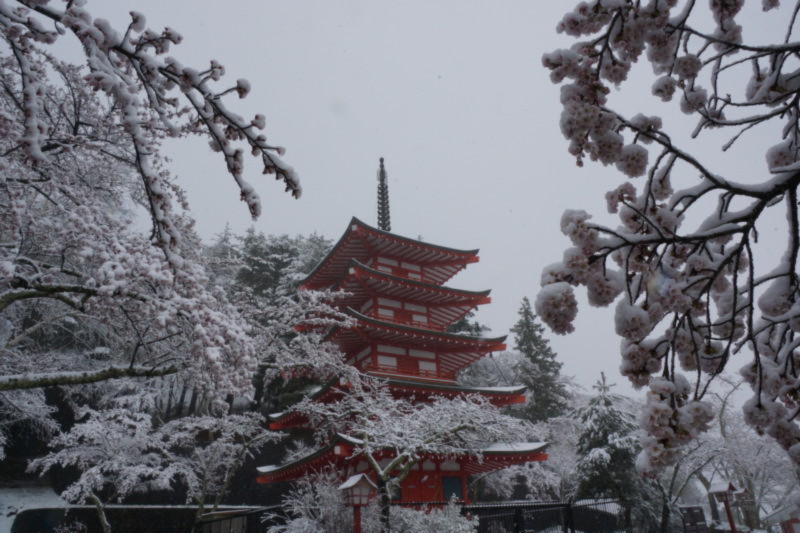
401	310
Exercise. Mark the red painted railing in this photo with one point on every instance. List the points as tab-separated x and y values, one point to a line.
409	372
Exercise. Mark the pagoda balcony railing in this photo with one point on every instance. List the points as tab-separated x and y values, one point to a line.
412	323
419	374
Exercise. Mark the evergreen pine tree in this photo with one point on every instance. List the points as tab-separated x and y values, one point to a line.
607	450
467	326
548	394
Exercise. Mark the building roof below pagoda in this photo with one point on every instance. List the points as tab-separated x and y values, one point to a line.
421	390
344	449
361	241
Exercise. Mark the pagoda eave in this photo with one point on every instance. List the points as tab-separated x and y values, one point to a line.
399	388
375	327
362	241
343	451
429	390
361	278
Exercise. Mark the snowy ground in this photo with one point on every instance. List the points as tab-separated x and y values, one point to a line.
12	501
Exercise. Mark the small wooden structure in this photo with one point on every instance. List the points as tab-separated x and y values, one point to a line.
694	520
725	493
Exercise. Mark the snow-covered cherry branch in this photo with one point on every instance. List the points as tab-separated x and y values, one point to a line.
695	285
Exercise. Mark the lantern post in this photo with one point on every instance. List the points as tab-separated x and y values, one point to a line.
724	493
358	491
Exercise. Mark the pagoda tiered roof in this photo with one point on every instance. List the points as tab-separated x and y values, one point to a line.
362	242
342	451
457	351
445	304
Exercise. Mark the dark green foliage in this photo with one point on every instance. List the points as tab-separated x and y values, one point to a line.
607	448
548	395
466	326
263	268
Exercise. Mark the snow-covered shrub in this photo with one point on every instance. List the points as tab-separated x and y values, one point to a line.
446	520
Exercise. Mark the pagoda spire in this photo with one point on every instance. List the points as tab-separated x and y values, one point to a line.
383	200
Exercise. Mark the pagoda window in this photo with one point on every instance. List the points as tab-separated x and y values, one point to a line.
415	307
386	361
429	465
424	354
384	348
387	261
411	266
427	367
419	318
382	311
386	302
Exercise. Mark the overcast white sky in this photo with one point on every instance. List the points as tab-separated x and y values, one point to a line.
451	93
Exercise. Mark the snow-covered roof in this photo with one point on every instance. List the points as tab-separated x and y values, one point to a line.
353	480
447	304
361	240
721	486
495	455
430	335
515	447
509	389
514	389
266	469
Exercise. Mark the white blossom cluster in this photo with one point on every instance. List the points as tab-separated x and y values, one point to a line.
670	419
681	261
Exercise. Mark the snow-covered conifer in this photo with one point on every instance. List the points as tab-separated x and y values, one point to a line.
607	447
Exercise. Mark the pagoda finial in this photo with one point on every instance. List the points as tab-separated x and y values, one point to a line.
383	200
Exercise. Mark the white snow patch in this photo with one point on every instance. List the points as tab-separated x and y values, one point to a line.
15	500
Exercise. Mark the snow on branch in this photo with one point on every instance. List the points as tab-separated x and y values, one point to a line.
151	97
695	287
35	381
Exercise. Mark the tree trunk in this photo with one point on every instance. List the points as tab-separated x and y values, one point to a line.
192	403
170	398
259	385
712	502
179	407
628	520
665	512
101	513
384	500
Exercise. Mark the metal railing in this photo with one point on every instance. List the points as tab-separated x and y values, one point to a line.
240	520
597	516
